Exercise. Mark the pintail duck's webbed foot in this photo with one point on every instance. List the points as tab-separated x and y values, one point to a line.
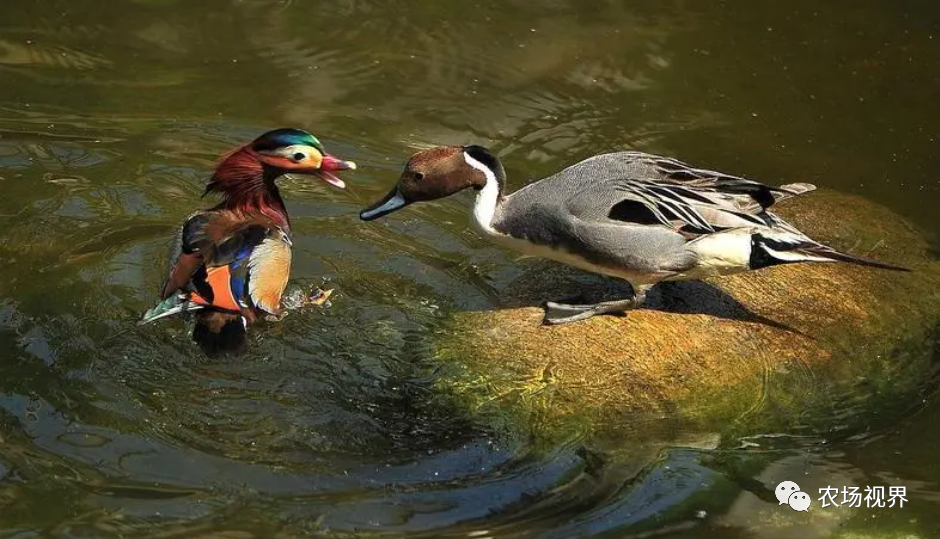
564	313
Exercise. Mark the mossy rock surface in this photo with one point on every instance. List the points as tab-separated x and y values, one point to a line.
784	348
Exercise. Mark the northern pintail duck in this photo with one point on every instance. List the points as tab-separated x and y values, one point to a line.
234	259
640	217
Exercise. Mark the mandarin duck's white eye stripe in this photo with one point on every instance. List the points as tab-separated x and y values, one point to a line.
295	152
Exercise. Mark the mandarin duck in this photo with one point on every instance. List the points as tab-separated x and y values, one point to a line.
234	259
635	216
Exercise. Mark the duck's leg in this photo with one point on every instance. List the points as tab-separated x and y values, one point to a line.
296	298
563	313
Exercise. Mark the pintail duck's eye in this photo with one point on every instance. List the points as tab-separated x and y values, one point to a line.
299	156
418	176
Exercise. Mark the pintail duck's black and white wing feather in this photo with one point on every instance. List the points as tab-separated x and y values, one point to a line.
644	189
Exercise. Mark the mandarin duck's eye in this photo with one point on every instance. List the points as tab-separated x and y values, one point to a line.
299	156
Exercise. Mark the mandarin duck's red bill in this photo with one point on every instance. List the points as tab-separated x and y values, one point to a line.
331	164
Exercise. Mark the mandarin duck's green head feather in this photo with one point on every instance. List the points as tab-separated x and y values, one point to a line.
284	137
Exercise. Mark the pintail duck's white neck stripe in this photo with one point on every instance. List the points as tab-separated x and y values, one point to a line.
487	198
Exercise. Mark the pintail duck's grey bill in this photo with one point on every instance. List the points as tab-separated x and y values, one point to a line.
392	201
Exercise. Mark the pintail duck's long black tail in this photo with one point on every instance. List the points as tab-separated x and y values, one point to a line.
775	248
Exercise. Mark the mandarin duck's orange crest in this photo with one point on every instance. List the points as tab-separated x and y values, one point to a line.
234	259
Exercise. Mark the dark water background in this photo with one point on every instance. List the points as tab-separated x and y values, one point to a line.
113	113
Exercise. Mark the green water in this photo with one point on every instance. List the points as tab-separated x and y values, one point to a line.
112	115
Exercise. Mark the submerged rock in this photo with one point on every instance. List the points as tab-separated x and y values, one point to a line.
784	348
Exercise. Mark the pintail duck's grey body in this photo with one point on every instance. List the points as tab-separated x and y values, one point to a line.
631	215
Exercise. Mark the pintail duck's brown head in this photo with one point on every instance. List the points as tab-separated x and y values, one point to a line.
437	173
